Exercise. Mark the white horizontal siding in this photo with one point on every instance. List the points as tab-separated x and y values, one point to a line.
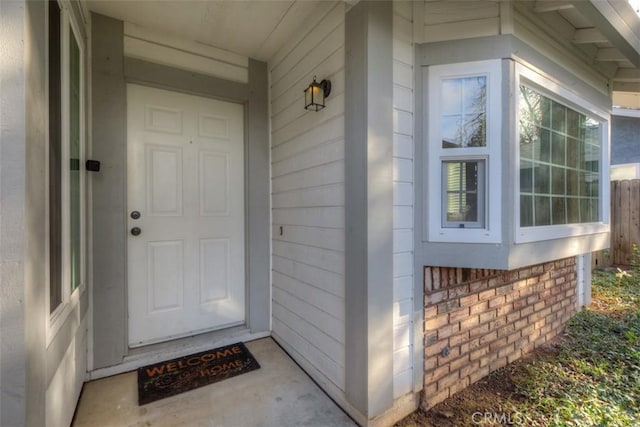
447	20
307	164
403	200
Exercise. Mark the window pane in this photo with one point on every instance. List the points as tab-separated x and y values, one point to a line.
462	200
562	147
557	181
526	177
557	150
75	249
541	178
464	106
55	158
558	210
526	211
573	210
542	209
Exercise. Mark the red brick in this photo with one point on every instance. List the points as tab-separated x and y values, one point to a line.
488	337
503	290
479	330
428	282
435	349
524	273
430	338
501	321
521	324
436	374
495	281
448	380
469	323
436	297
435	275
506	351
430	401
444	332
498	344
514	356
518	304
526	311
513	337
460	385
497	364
468	300
447	306
476	354
430	312
490	315
486	294
435	323
458	339
459	363
430	389
512	317
471	345
495	302
459	291
460	314
484	361
478	285
479	308
521	343
545	312
479	374
454	352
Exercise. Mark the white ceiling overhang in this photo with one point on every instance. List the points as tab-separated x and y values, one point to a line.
608	31
251	28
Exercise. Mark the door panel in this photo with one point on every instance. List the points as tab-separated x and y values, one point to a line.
185	172
164	180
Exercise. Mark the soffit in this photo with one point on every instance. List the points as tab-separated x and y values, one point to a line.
256	29
607	33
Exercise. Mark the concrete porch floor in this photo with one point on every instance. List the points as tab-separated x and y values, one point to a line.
277	394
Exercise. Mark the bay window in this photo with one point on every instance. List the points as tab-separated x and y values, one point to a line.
561	144
514	160
464	152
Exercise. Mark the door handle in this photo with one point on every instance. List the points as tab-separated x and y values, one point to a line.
136	231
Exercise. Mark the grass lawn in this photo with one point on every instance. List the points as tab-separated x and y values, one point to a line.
590	376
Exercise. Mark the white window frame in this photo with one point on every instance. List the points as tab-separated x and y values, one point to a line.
561	94
70	300
435	155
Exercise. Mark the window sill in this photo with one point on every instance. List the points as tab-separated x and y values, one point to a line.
60	315
553	232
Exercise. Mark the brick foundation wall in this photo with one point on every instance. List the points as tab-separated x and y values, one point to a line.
477	321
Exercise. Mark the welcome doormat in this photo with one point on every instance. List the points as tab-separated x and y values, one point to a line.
176	376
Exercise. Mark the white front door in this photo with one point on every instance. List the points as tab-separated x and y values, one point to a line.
185	212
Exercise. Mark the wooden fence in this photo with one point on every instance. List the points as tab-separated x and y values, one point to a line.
625	224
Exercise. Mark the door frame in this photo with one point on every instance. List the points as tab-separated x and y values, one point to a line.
112	71
137	95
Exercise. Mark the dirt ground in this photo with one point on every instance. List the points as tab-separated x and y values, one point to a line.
467	408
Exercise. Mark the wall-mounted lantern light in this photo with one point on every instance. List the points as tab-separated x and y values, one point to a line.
315	94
